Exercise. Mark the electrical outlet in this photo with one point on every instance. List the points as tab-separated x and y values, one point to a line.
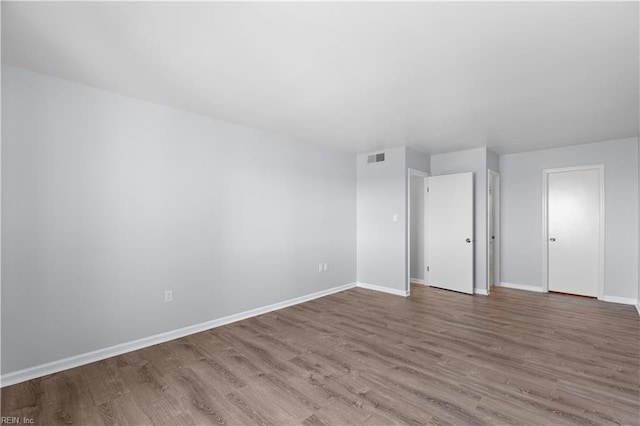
320	267
325	266
168	296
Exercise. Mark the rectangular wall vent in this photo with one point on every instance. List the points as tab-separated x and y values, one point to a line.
375	158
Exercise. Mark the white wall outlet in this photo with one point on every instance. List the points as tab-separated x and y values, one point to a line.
395	218
325	266
168	296
320	268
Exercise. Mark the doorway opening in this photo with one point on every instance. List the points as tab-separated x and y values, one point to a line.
493	230
416	228
441	255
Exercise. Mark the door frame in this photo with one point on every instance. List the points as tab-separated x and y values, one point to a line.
425	175
496	246
545	220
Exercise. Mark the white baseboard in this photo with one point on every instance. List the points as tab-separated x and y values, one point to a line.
417	281
482	291
100	354
623	300
612	299
522	287
374	287
638	308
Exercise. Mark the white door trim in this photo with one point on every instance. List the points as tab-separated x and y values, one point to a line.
496	244
545	219
413	172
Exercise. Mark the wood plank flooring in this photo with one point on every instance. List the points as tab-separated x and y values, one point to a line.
362	357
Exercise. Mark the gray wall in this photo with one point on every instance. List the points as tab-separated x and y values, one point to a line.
109	201
381	246
382	193
417	160
493	161
474	160
521	180
1	173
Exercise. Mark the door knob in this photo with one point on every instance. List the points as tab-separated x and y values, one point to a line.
552	239
468	240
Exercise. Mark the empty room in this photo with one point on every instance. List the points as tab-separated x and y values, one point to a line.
320	213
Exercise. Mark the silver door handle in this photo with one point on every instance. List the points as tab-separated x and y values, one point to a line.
552	239
468	240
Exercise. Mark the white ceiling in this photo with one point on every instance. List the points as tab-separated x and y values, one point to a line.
356	76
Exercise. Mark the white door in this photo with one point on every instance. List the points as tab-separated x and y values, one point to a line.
493	229
573	226
450	232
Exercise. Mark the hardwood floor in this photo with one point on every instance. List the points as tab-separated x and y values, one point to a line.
362	357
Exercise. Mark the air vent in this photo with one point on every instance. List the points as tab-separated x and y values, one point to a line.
375	158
